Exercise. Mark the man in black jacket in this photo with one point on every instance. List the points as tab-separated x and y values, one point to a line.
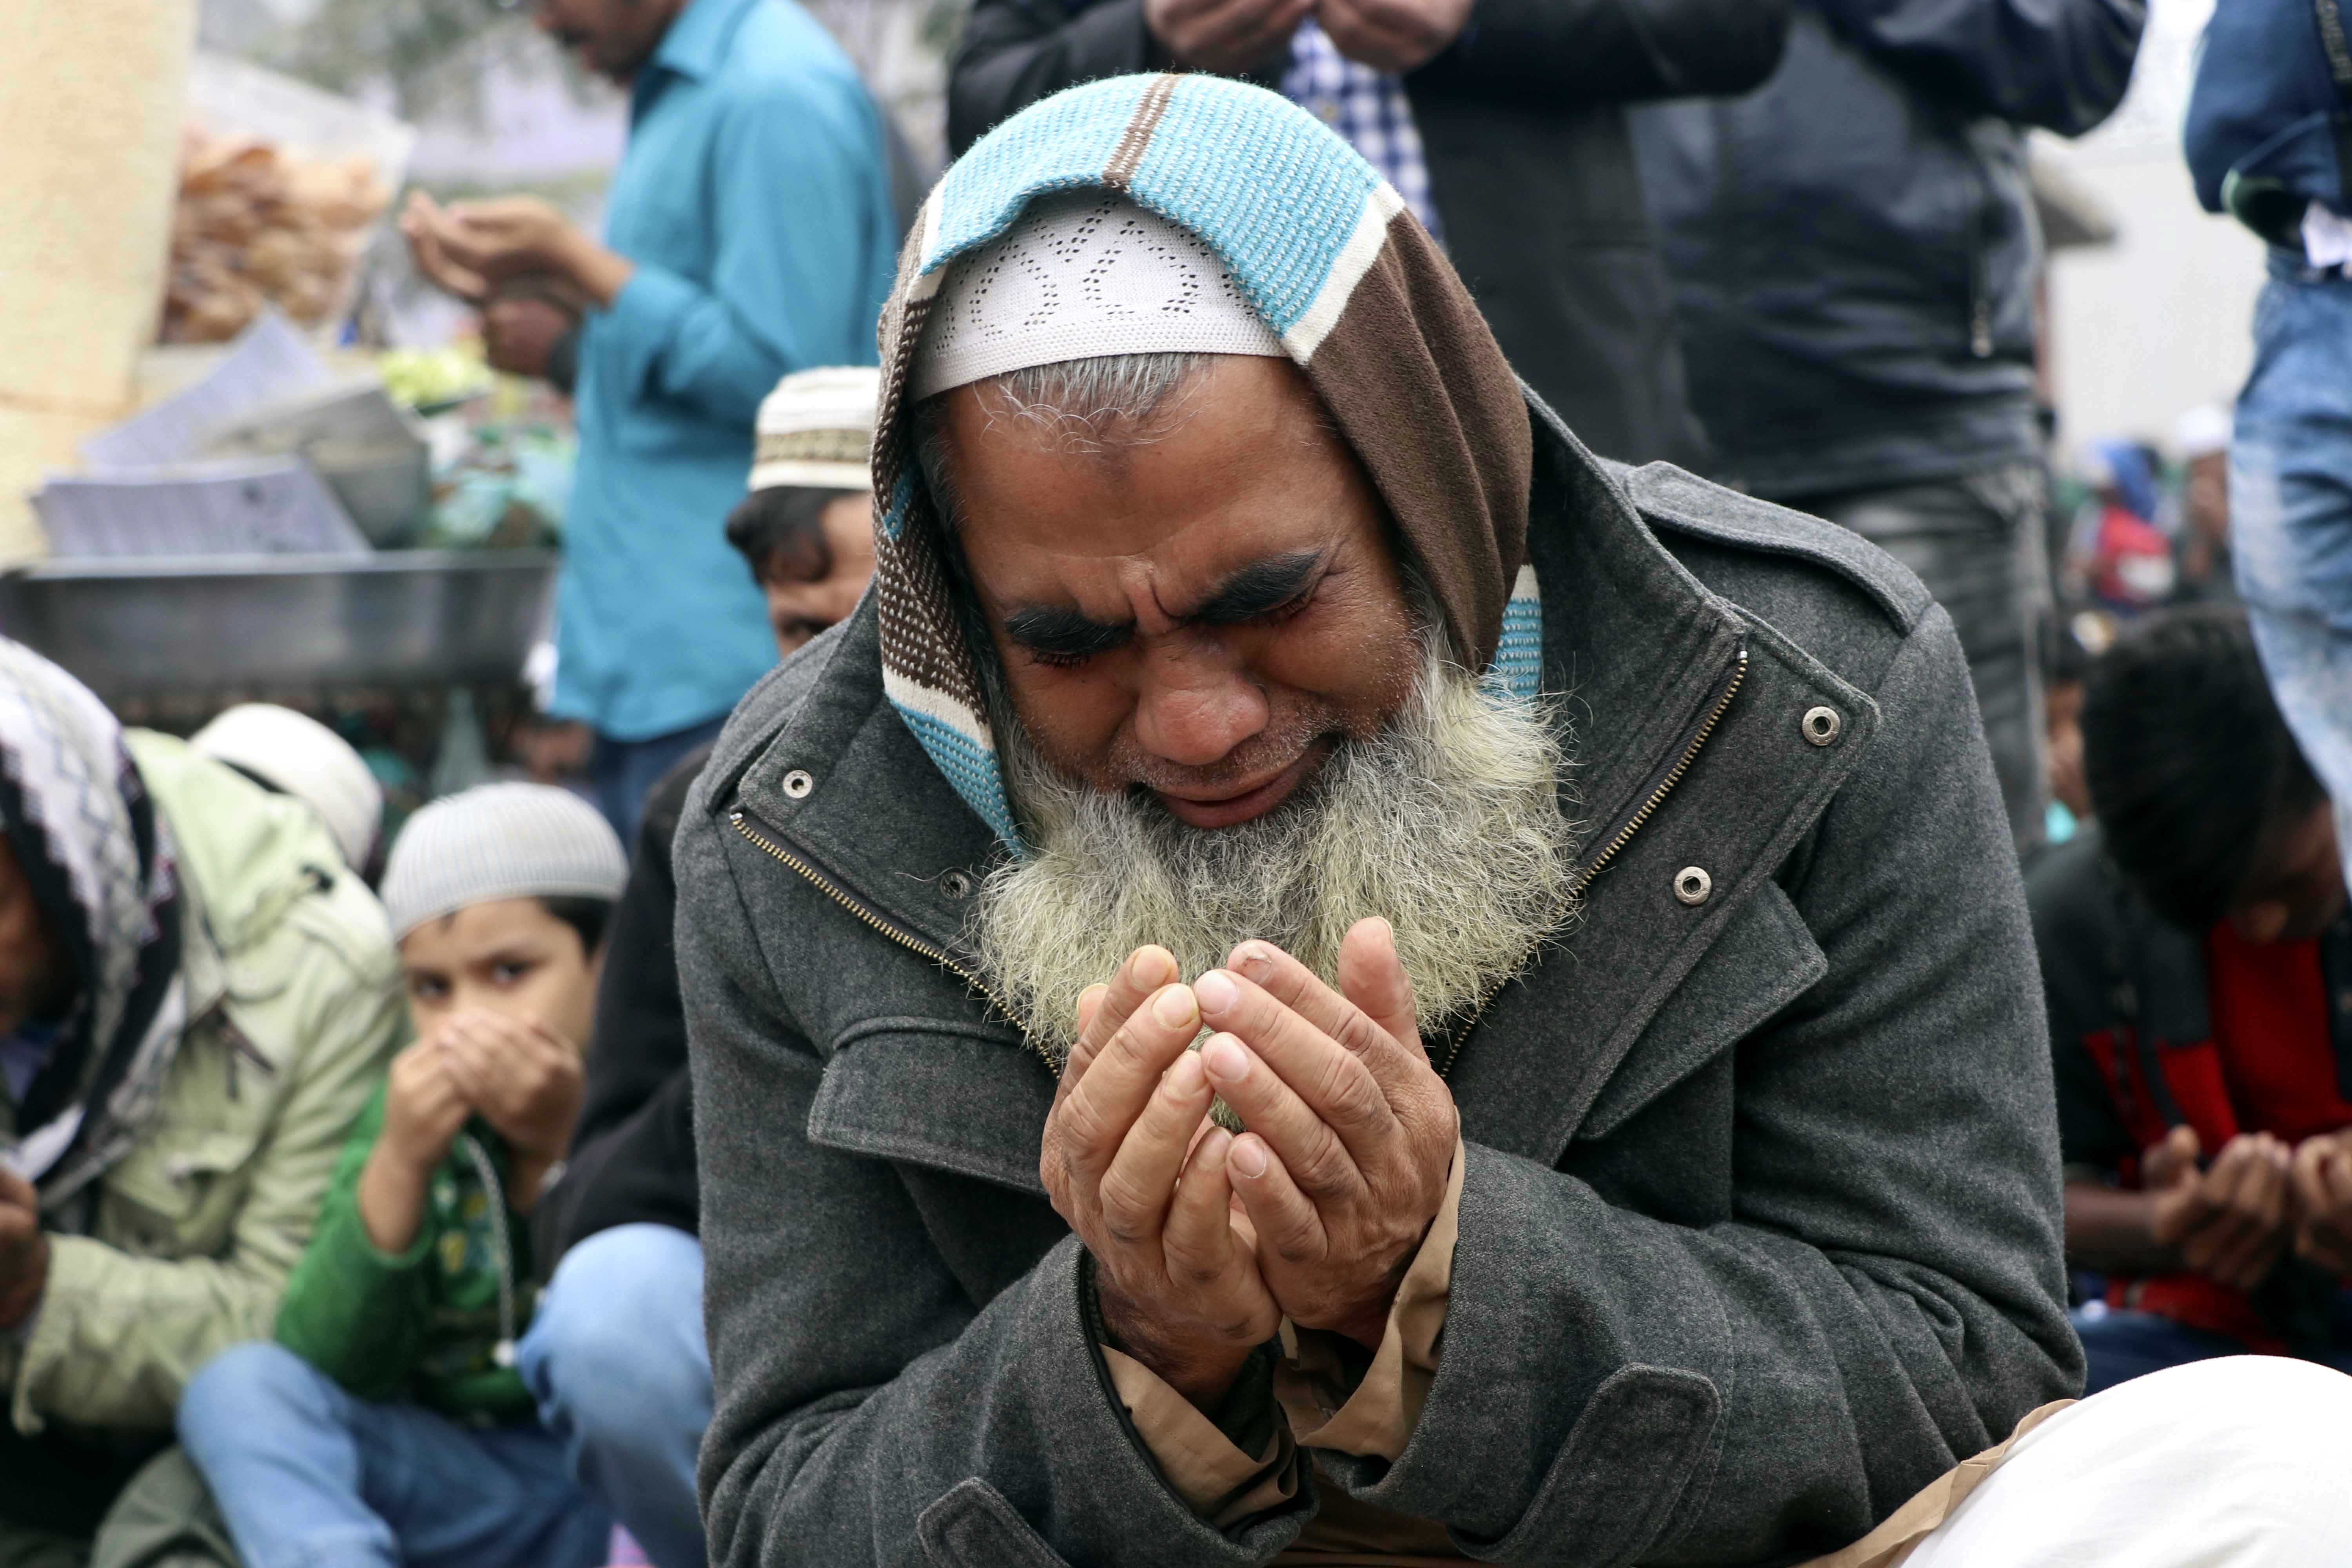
1502	125
1853	255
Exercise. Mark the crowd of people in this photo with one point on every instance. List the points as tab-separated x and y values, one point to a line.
1249	925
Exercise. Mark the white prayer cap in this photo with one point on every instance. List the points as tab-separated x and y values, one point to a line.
817	429
297	756
500	841
2201	432
1083	276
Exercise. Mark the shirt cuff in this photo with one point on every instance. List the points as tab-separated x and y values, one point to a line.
634	330
1333	1397
1217	1479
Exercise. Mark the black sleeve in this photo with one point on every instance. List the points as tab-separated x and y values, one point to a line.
1566	54
2059	64
633	1153
1015	52
2073	932
1572	54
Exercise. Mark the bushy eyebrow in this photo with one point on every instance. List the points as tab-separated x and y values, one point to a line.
1254	590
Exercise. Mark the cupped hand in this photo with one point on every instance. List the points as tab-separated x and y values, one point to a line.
424	1108
2323	1193
1235	36
1126	1163
1392	36
2230	1222
1351	1132
526	1081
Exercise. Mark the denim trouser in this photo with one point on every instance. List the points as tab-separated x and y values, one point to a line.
616	1359
2120	1345
1977	542
306	1474
2291	513
621	773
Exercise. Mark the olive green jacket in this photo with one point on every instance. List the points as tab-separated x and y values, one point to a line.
295	1010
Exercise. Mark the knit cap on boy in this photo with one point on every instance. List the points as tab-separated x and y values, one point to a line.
500	841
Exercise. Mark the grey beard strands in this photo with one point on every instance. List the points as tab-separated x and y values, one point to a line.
1448	824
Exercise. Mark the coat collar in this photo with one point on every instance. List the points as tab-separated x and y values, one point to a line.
695	45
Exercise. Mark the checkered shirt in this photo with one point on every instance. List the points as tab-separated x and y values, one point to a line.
1367	108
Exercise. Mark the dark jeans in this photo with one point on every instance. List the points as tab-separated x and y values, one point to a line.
1977	542
2120	1345
621	772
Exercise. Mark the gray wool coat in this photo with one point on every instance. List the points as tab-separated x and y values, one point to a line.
1759	1224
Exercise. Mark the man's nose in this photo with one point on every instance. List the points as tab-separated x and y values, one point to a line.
1197	703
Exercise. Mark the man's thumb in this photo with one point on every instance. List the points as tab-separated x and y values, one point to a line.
1373	978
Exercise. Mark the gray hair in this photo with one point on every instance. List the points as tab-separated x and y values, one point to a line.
1077	405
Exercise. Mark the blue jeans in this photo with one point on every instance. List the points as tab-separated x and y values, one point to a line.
306	1474
616	1359
621	773
2291	514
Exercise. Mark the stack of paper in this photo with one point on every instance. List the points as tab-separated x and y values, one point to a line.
150	492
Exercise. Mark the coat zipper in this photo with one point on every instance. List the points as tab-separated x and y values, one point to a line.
826	886
1624	835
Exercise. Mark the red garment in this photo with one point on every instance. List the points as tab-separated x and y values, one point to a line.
2270	1066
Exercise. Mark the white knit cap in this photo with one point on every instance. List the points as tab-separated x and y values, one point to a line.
1082	275
297	756
817	429
500	841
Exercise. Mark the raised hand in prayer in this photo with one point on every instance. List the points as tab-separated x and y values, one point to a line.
2323	1193
1392	36
1130	1161
527	1082
1351	1132
24	1249
2230	1222
1235	36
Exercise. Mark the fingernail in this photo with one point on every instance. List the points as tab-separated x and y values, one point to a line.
1150	966
1253	960
1215	990
1174	1006
1224	1058
1090	995
1183	1075
1248	1157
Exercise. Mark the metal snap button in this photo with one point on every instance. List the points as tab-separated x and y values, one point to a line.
1692	885
955	884
1821	725
798	782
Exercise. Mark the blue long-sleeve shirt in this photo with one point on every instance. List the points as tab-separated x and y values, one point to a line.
754	202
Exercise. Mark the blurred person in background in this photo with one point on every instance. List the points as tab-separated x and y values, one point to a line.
2197	965
2070	792
750	232
616	1357
2200	445
1503	127
196	997
293	754
385	1422
2268	140
2127	557
1854	256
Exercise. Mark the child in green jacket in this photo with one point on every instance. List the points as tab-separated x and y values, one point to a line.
387	1424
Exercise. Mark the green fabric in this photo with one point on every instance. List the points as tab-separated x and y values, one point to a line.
422	1324
295	1007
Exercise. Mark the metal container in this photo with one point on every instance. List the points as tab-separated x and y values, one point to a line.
164	628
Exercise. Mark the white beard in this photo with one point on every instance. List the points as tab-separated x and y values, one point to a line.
1448	824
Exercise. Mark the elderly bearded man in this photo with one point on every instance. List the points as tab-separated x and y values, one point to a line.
1588	887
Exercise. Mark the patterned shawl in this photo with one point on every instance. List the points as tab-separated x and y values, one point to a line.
1363	300
100	858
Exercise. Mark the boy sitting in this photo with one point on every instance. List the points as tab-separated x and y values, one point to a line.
387	1424
2198	964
